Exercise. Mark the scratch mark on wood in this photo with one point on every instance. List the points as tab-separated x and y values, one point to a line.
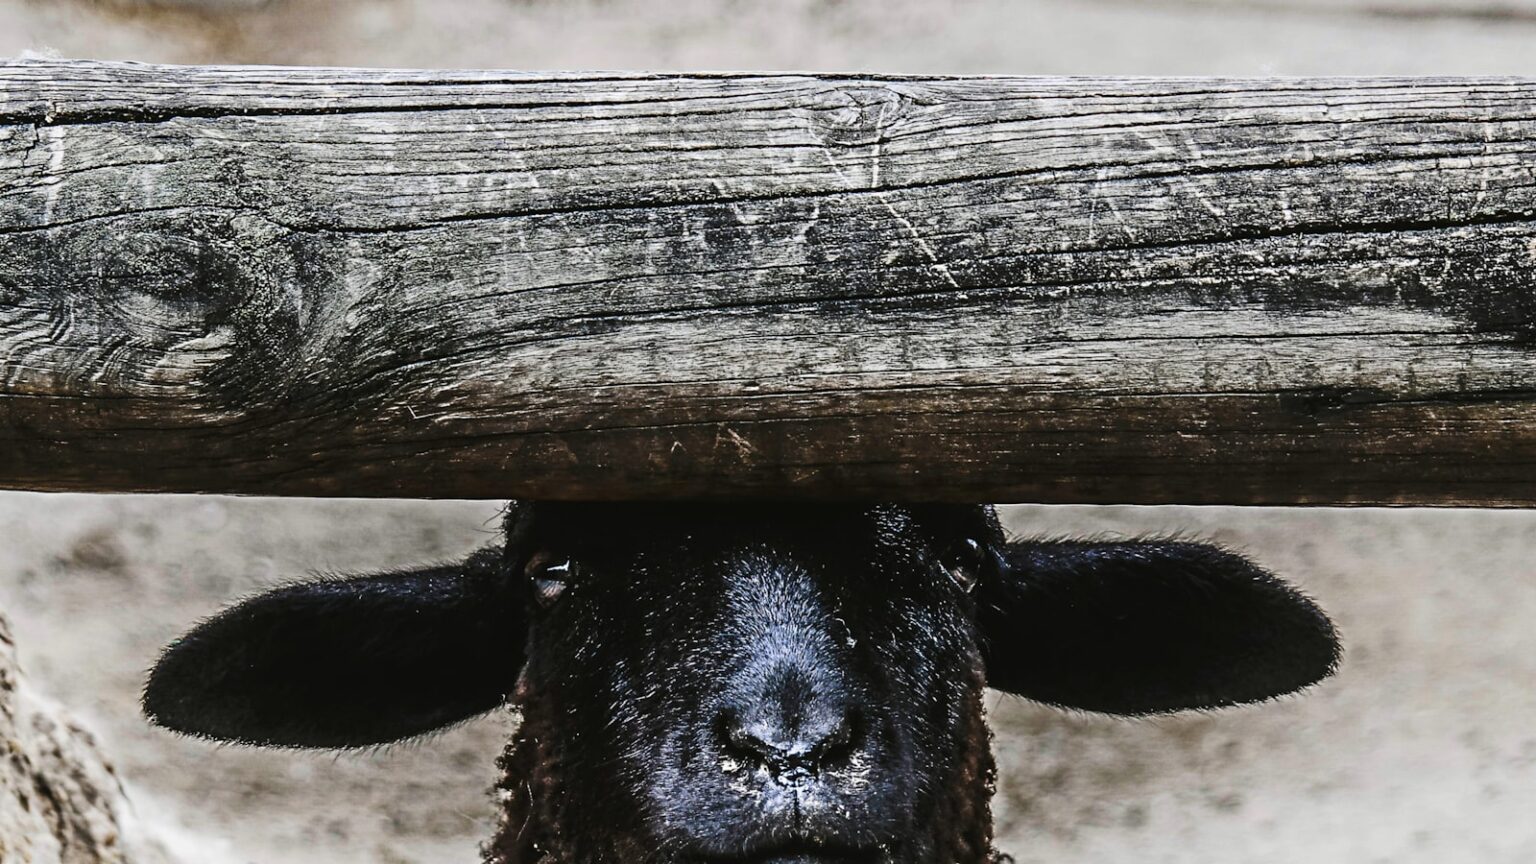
922	243
52	175
743	447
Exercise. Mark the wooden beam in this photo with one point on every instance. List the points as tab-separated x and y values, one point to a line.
487	284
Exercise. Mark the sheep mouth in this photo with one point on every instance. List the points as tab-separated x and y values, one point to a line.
800	853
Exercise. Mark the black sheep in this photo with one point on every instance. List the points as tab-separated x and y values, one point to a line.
754	684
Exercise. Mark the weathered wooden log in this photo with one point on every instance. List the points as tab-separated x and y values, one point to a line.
472	284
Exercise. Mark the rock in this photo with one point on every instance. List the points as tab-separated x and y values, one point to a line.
60	800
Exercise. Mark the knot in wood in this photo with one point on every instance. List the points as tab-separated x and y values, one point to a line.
153	301
855	115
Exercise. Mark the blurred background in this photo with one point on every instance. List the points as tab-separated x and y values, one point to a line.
1050	37
1422	750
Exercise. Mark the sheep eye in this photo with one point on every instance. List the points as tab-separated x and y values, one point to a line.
963	564
551	575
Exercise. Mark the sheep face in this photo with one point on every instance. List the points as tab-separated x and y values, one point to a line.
799	684
760	684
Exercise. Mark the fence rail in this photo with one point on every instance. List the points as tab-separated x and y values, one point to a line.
484	284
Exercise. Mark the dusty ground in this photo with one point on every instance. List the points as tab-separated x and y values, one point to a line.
1422	751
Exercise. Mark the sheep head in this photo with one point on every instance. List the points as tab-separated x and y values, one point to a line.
763	684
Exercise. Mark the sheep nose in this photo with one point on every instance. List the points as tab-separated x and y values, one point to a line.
790	753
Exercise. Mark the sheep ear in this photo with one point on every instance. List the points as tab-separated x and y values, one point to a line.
1147	627
346	662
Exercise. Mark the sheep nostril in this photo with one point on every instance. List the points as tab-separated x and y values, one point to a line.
739	743
791	757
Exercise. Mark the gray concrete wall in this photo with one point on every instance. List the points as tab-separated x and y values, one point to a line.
1422	750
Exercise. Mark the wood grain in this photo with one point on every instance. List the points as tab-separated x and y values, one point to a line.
487	284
